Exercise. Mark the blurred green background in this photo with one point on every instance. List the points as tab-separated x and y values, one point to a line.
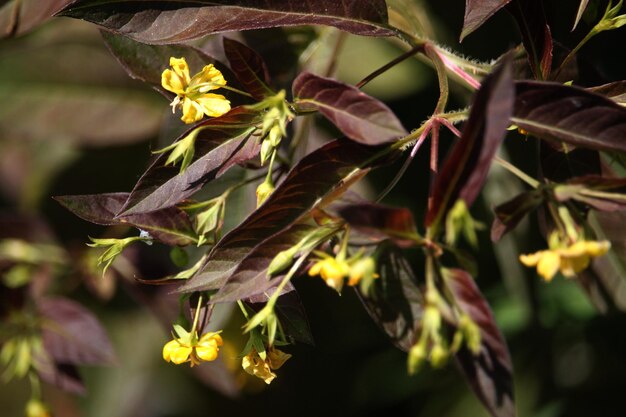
72	122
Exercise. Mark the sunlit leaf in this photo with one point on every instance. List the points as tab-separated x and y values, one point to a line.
464	172
581	9
169	22
360	117
570	114
225	141
20	16
171	225
490	372
329	167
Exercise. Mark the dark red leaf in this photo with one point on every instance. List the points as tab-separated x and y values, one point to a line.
509	214
171	226
490	373
478	12
63	376
225	142
250	277
464	172
536	35
396	302
316	176
569	114
73	335
170	22
360	117
249	68
20	16
378	221
616	91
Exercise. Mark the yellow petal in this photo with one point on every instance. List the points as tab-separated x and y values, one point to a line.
277	358
315	269
209	75
192	111
548	264
214	105
531	259
598	248
180	354
207	353
180	67
215	337
169	348
172	82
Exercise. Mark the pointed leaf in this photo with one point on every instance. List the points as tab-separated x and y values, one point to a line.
573	115
172	226
250	277
536	35
20	16
464	172
396	302
490	373
73	335
378	222
510	213
249	68
312	179
360	117
478	12
616	91
581	9
170	22
226	141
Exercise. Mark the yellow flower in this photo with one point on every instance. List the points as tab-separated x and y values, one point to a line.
569	260
193	92
332	270
35	408
189	349
253	364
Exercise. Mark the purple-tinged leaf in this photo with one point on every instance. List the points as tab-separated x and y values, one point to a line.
72	334
395	302
292	316
381	222
490	372
171	226
478	12
464	172
569	114
308	183
250	277
225	141
20	16
509	214
360	117
600	193
183	20
536	35
616	91
249	68
581	9
62	376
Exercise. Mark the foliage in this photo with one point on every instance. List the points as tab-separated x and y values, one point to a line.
416	279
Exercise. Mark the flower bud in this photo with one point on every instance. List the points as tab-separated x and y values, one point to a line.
438	356
417	356
35	408
263	191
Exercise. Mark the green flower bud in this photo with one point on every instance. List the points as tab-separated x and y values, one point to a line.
438	356
263	191
281	261
417	356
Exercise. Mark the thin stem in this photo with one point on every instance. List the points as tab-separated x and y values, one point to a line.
391	64
434	163
196	315
243	309
517	172
235	90
440	67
